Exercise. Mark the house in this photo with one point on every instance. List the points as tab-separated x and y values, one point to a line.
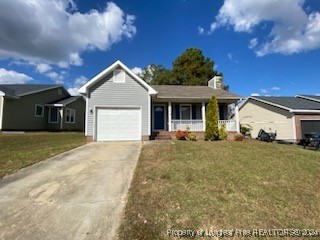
38	107
290	117
121	106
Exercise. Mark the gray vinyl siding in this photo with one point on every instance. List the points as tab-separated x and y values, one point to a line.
107	93
79	106
19	114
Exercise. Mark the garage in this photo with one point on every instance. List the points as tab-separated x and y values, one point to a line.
118	124
308	126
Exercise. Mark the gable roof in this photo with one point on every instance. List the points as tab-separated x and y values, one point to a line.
309	97
192	92
19	90
83	90
291	104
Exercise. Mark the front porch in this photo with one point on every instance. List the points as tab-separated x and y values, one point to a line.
173	116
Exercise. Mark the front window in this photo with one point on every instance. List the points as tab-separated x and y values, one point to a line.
53	115
39	110
70	115
185	112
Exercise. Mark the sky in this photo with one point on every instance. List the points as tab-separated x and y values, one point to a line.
265	47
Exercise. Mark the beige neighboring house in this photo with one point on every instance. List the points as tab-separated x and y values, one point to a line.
39	107
290	117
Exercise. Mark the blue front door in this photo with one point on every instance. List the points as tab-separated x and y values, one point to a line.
158	117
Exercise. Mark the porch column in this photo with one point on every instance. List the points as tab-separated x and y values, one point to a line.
236	116
203	111
169	116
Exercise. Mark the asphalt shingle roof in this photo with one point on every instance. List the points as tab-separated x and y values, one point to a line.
291	102
67	101
201	92
18	90
314	97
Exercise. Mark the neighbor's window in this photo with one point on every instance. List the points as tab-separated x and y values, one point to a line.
185	112
119	76
39	110
53	115
70	115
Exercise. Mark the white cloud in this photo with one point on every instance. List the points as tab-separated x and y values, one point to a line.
57	77
54	32
264	90
73	91
230	56
137	70
253	43
13	77
43	67
200	30
255	94
78	82
294	30
275	88
317	94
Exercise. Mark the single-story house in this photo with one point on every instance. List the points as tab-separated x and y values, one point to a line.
121	106
290	117
39	107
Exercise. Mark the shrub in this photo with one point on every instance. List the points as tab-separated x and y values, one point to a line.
223	134
212	129
192	136
238	137
181	135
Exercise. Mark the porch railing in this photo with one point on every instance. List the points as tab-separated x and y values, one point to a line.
193	125
231	125
197	125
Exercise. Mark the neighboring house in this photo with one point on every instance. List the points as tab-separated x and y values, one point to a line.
35	107
121	106
290	117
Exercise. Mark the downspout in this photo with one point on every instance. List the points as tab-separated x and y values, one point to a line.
1	112
61	118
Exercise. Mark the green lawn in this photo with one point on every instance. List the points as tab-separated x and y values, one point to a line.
222	185
20	150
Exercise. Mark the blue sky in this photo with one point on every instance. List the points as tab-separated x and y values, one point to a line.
267	47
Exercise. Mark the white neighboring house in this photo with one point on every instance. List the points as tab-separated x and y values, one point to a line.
290	117
121	106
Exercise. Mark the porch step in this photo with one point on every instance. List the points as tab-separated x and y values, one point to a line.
162	135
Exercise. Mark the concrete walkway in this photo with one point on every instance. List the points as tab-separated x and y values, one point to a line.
80	194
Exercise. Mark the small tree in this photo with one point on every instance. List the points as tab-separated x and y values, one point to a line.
212	128
223	134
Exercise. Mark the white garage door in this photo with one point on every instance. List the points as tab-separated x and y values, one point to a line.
118	124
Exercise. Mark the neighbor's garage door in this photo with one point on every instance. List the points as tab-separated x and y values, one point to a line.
116	124
308	126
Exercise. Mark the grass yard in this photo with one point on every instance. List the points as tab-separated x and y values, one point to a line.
222	185
20	150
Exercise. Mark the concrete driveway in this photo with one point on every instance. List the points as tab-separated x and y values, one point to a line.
80	194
